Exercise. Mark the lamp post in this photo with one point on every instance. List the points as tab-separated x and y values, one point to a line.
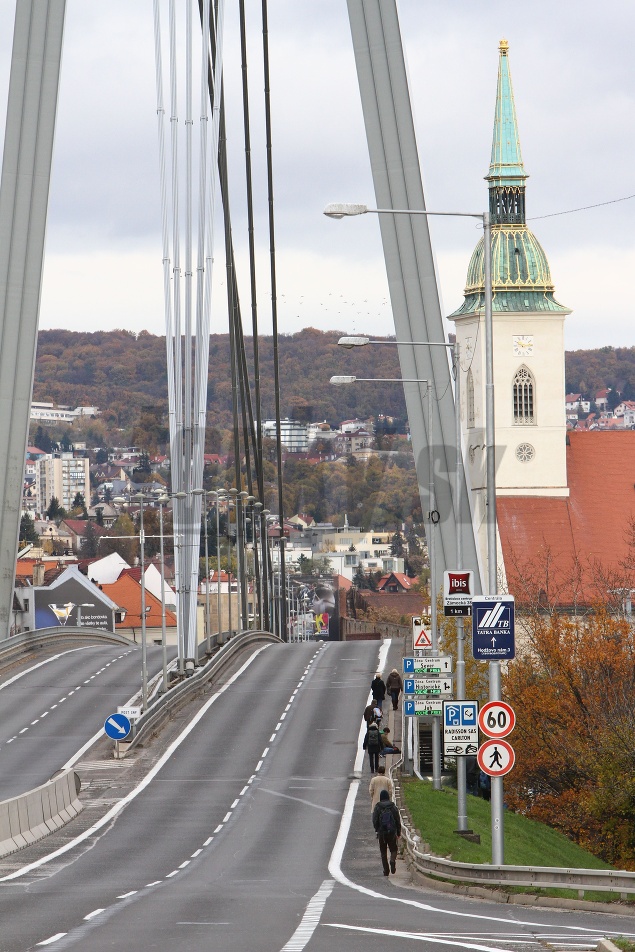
433	518
79	611
231	496
201	492
162	500
219	495
242	571
343	210
144	641
349	343
259	560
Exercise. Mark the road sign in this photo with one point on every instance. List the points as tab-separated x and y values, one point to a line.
496	757
458	589
497	719
460	727
422	707
117	726
437	686
421	636
132	713
440	664
493	628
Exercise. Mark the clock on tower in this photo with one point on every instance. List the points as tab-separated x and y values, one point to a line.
523	345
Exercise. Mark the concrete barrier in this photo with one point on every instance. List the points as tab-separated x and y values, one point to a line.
41	811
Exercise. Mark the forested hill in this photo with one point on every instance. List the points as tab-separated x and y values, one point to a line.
125	373
588	371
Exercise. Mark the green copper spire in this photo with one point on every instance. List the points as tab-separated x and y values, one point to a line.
521	279
506	165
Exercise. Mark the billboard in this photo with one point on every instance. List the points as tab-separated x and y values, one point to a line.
70	603
313	607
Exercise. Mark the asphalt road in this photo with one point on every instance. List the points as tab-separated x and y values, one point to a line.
252	834
51	707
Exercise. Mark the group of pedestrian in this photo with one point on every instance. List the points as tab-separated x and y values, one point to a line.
385	815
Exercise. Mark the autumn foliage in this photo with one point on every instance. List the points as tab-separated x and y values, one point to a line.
573	691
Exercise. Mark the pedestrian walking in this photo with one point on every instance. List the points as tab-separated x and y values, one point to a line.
372	743
378	690
372	712
378	783
387	825
394	686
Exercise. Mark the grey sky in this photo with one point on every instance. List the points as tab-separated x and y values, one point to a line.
574	88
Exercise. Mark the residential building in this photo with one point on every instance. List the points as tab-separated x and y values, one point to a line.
48	413
293	434
62	477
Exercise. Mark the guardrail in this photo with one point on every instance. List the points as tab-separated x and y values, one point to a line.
477	874
41	811
165	704
13	647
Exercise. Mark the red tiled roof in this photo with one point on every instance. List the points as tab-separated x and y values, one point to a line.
78	527
399	577
577	544
126	592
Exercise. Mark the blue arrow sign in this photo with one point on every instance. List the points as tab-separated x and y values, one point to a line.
493	628
117	726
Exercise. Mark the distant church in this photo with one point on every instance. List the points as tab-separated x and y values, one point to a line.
564	501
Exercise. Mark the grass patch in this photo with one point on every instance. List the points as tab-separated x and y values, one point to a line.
527	843
626	945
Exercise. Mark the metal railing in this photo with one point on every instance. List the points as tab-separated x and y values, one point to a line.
16	645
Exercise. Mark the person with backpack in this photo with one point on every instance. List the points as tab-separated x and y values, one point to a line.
387	825
378	690
372	743
394	686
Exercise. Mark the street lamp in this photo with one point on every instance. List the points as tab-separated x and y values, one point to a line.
201	492
231	503
343	210
144	645
162	500
79	611
219	494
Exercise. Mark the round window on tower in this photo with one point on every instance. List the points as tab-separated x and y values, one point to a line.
525	452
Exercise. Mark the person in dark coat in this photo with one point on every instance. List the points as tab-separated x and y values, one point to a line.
387	825
394	686
372	743
378	690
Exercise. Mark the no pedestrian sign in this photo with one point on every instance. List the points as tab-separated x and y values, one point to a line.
496	757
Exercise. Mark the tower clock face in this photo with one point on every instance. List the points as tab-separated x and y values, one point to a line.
523	345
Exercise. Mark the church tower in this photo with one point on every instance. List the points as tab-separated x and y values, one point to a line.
528	335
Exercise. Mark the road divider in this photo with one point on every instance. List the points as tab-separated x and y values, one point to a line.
41	811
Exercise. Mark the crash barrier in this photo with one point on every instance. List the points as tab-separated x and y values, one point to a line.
17	645
41	811
477	874
162	706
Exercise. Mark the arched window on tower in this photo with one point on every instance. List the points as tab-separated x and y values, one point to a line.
470	399
524	398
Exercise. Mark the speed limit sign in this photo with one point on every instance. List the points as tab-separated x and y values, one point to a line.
496	719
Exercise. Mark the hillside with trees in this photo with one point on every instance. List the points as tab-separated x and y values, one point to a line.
588	371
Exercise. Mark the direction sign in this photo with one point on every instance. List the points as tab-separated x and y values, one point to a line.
421	637
117	726
493	628
460	727
441	664
422	707
497	719
132	713
458	589
419	685
496	757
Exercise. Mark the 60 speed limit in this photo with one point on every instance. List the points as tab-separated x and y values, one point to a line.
496	719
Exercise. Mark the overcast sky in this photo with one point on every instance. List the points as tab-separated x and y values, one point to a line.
574	87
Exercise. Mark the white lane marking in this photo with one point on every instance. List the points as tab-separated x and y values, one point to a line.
196	853
44	715
310	920
279	725
218	828
335	869
208	841
36	721
61	700
53	706
183	865
227	816
244	790
23	730
317	806
282	716
173	873
133	892
271	739
419	936
16	677
54	938
156	882
118	807
235	803
258	765
265	752
11	741
95	912
359	758
287	708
